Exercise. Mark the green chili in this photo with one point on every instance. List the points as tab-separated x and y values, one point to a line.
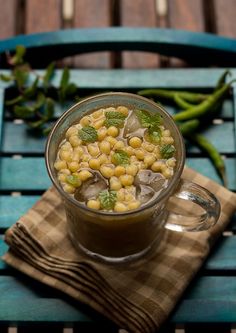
182	103
189	127
214	155
170	94
204	107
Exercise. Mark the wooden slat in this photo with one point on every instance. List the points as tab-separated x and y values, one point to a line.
186	15
197	47
225	13
212	299
143	14
134	80
223	255
21	204
42	15
93	13
8	10
24	174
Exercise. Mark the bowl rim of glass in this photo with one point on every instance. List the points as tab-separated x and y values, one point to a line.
164	193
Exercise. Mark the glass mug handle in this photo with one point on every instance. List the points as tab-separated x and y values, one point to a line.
194	222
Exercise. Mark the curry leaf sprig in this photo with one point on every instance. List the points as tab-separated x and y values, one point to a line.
34	101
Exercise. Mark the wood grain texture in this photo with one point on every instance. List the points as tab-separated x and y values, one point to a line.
225	14
21	204
186	15
8	18
92	14
138	13
43	15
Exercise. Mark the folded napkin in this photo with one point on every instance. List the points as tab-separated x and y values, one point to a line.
137	296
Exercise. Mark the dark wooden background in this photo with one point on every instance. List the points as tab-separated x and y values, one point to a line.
32	16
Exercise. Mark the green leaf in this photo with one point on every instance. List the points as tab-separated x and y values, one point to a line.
114	118
23	111
66	89
107	199
37	123
17	59
15	100
21	77
47	130
88	134
144	118
73	180
49	108
71	89
49	72
39	102
6	78
154	133
147	119
31	91
65	77
167	151
120	157
115	115
152	121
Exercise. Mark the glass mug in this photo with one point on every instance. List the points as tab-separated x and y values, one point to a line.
122	236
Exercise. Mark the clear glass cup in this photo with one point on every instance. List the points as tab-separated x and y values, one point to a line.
118	237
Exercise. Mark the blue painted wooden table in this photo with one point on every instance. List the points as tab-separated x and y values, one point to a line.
211	298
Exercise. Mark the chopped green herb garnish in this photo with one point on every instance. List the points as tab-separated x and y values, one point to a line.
147	119
120	157
152	122
107	199
167	151
114	118
73	180
154	134
88	134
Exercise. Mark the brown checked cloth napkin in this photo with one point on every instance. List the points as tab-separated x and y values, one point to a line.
137	296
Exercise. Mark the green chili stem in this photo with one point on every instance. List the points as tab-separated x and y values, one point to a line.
170	94
222	79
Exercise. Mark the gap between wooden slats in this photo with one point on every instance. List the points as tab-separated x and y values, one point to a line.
63	330
179	328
